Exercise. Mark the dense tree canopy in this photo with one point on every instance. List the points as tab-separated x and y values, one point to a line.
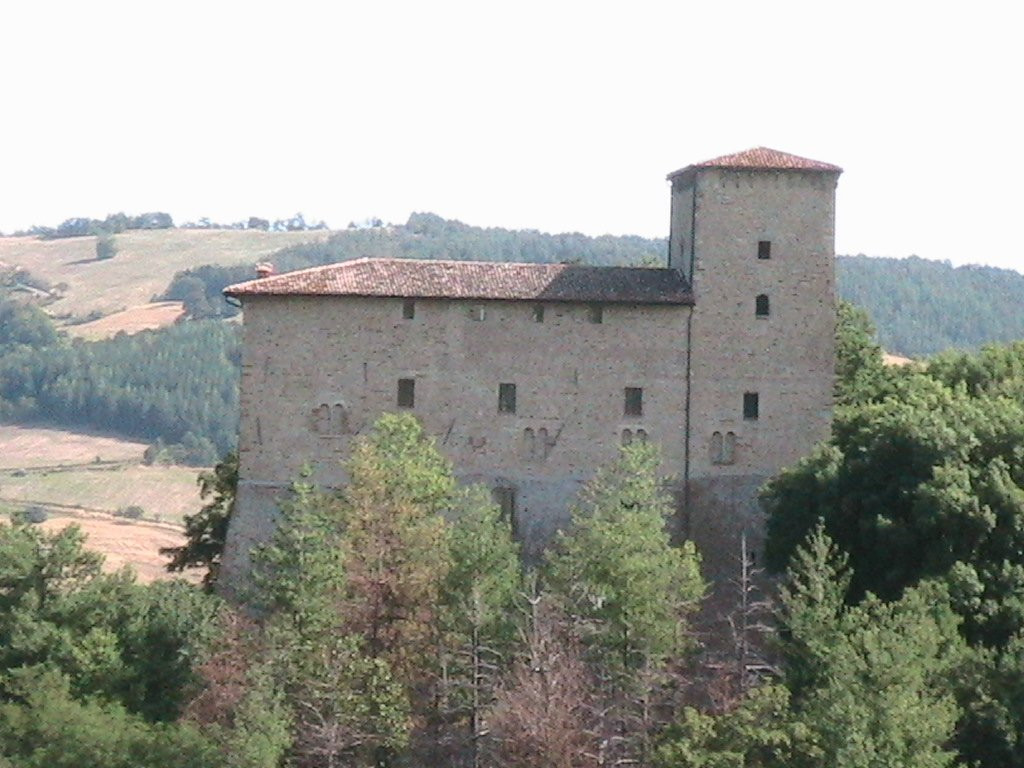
178	384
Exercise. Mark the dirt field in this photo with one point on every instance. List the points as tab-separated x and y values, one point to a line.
23	447
146	261
126	543
165	494
82	479
61	470
143	318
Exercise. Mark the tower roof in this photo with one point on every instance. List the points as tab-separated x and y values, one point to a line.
761	159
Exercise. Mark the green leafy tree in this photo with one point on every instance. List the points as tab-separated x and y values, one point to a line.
111	637
396	542
923	484
863	686
481	598
617	570
860	366
43	726
206	531
872	682
342	703
759	733
24	324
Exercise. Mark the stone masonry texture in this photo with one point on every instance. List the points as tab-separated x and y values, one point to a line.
319	368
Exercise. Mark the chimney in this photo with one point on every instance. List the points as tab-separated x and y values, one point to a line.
264	269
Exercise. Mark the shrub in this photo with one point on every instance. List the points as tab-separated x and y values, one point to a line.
36	515
106	248
131	512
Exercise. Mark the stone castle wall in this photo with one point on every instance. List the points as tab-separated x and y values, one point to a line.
317	371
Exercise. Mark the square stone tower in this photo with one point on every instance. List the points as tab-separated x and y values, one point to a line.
753	233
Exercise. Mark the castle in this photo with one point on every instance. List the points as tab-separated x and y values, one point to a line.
531	375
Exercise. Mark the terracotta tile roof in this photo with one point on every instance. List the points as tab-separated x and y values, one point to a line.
413	278
764	159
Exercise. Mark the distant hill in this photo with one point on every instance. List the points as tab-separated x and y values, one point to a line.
920	307
146	260
176	386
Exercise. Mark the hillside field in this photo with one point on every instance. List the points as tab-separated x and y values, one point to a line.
132	543
83	479
78	473
132	320
23	447
145	262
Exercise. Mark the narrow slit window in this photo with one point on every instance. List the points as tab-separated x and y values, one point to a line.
764	249
406	393
505	499
408	309
538	313
596	313
506	398
716	448
751	406
761	306
634	401
729	448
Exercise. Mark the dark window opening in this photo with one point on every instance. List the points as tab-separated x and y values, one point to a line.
634	401
406	393
751	406
505	499
596	313
761	305
506	398
538	313
408	309
764	249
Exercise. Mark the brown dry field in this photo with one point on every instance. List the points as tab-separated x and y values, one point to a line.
166	494
23	447
134	543
144	265
142	318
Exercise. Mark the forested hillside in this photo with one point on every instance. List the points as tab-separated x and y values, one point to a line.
920	307
178	385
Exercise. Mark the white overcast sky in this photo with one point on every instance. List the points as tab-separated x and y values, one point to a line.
558	116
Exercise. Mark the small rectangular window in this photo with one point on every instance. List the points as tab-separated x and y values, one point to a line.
596	313
538	313
477	312
764	249
505	499
634	401
506	398
408	309
761	307
751	406
406	393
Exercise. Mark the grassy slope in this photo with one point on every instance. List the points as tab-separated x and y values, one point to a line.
22	447
59	470
144	265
